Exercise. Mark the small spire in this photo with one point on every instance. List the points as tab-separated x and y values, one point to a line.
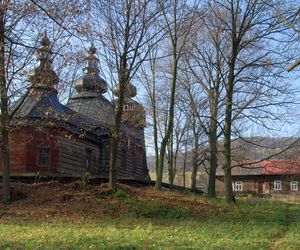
45	42
45	52
92	50
43	75
91	81
91	61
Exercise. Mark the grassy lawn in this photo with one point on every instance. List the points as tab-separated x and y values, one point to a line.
155	224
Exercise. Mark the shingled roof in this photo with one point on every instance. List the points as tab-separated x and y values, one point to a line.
41	106
94	106
89	99
266	167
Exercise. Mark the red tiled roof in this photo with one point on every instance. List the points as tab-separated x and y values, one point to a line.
280	167
266	167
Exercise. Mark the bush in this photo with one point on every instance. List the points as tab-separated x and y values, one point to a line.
120	193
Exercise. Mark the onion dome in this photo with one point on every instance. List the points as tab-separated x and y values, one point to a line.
129	89
43	75
90	81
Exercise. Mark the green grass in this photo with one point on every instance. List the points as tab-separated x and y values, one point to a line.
152	225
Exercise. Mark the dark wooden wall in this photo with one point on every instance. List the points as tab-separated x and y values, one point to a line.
68	154
131	160
72	156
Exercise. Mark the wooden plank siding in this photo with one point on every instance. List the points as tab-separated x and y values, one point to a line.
130	159
72	157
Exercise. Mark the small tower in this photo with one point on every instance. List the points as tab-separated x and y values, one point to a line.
90	88
90	81
134	114
134	117
43	76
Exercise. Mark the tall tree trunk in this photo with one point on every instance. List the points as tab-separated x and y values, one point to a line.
194	175
166	138
171	162
123	77
227	135
213	167
174	167
155	135
227	153
155	131
213	148
195	165
113	161
184	164
213	128
174	172
4	115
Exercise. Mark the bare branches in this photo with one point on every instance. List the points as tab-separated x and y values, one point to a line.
293	66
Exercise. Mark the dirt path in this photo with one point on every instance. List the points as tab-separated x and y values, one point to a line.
277	238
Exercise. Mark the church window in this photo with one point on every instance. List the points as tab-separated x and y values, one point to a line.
88	159
129	106
43	156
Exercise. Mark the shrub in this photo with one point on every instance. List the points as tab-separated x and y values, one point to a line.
120	193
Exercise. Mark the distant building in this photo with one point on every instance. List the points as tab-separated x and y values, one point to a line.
265	177
49	137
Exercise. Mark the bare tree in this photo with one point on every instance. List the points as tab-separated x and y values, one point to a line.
207	67
194	105
124	30
253	64
175	143
149	75
288	12
179	18
4	109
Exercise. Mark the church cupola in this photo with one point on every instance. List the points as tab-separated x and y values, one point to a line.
129	90
90	81
89	100
133	112
43	76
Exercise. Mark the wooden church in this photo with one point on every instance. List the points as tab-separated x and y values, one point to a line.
73	139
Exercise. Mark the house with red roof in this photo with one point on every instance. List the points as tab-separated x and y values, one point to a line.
263	177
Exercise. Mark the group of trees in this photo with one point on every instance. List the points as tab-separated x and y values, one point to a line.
226	79
210	70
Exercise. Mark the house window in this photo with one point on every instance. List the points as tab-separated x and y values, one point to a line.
88	163
277	185
237	186
43	156
294	185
